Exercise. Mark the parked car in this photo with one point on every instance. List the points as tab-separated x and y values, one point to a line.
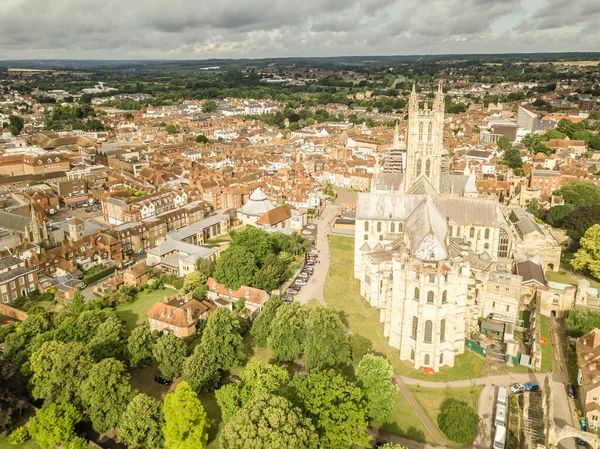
306	232
583	425
300	282
162	380
517	388
309	270
292	291
532	386
580	442
571	392
288	299
310	227
310	263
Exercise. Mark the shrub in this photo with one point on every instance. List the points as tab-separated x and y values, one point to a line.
19	436
90	279
458	421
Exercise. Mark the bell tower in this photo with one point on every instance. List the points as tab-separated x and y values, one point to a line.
425	142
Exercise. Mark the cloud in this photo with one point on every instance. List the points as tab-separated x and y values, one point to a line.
180	29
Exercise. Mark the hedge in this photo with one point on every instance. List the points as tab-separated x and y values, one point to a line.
99	275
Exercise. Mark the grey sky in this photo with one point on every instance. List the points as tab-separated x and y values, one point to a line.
182	29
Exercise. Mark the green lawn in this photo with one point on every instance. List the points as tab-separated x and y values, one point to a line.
342	291
568	277
547	362
431	399
405	422
134	313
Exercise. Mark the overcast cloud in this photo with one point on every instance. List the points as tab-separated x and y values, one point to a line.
186	29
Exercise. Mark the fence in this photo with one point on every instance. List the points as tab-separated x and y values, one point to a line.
475	347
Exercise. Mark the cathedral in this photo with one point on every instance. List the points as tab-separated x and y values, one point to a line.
423	242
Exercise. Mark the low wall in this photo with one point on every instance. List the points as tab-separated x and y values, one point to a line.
11	312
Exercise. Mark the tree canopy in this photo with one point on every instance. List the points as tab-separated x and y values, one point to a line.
261	327
236	267
139	346
579	193
54	424
13	396
588	257
141	423
168	355
186	424
335	405
269	422
288	332
326	342
374	376
580	220
458	421
105	393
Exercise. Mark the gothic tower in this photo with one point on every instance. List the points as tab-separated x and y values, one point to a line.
425	142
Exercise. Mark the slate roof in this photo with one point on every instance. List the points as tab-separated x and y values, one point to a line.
14	222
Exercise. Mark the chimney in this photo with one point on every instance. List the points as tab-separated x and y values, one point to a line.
596	338
189	315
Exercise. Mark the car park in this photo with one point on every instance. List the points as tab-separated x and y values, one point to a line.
306	232
532	386
288	299
517	388
310	227
300	282
308	270
310	263
292	291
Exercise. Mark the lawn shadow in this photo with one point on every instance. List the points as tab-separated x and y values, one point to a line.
412	433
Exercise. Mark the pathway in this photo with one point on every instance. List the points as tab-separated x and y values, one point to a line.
314	288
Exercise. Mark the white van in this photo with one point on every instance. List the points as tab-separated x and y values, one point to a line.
502	394
500	437
500	415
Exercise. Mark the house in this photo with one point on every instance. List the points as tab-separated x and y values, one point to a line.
254	298
177	315
588	376
136	275
16	279
282	217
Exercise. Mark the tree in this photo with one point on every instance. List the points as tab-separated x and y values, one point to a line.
141	424
194	280
359	346
201	139
580	220
222	337
261	327
235	267
557	214
579	193
534	208
328	190
201	370
186	424
269	422
209	106
326	341
105	393
255	240
588	257
273	273
504	143
109	340
512	158
374	376
58	370
139	346
15	124
458	421
171	129
168	355
336	407
205	266
288	332
77	304
54	424
581	321
256	379
13	396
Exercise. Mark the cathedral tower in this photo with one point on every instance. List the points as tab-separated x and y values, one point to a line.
425	142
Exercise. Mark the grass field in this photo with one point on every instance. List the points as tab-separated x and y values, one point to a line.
567	277
547	362
342	291
134	313
405	422
431	399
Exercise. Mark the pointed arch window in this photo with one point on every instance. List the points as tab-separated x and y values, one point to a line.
420	131
428	168
503	246
443	330
445	297
429	132
487	233
393	227
417	294
378	226
366	226
415	327
428	334
426	360
419	166
430	297
472	233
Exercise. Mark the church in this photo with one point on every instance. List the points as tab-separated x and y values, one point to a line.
426	245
